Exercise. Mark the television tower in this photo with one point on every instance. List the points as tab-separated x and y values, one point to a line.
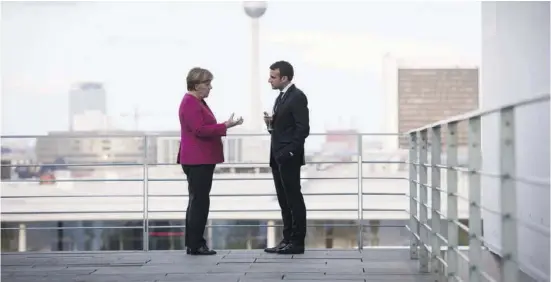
255	10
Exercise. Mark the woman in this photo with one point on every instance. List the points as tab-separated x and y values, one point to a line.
200	151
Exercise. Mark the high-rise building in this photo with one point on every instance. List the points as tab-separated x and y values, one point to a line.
422	92
86	97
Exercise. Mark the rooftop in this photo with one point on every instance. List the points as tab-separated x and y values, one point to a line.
369	265
230	266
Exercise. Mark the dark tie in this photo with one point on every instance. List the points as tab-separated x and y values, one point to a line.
278	101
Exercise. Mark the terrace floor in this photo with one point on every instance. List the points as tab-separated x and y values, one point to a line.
231	266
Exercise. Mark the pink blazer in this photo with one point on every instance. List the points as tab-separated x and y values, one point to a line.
200	133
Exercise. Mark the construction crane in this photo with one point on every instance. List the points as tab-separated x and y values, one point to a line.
137	115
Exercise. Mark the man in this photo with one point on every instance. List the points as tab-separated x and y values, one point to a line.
289	126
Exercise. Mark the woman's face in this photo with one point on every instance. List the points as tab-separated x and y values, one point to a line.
203	89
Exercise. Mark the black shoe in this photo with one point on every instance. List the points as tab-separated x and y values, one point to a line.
279	246
201	251
291	249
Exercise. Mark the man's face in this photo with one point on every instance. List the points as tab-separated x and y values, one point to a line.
276	80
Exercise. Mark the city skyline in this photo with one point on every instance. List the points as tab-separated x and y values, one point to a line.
142	58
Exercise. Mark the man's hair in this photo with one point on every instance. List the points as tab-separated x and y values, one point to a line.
285	69
197	76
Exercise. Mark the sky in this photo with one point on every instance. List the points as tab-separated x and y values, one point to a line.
142	52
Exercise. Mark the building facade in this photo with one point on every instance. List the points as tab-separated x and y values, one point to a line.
89	147
429	95
86	97
423	91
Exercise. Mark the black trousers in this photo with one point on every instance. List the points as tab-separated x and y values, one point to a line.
199	178
291	201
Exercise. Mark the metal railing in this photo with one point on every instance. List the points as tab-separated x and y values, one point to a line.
358	161
428	239
427	236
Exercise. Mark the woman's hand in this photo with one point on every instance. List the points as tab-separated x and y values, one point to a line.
231	122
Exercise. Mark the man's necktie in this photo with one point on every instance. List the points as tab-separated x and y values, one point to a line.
278	101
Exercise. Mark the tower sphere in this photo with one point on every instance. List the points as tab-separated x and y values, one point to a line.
255	9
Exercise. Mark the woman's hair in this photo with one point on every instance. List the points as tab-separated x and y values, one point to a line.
197	76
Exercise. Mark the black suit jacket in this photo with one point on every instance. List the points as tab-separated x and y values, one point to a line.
290	128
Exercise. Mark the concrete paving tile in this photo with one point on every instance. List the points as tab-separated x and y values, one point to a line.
385	255
251	279
323	277
12	268
122	270
290	263
399	278
344	262
23	274
237	260
214	277
237	268
283	271
40	279
31	269
326	277
7	262
231	266
290	260
264	275
405	267
120	278
245	251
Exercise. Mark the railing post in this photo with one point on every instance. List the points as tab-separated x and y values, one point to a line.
145	194
413	195
22	242
435	160
451	214
360	194
423	213
509	268
475	219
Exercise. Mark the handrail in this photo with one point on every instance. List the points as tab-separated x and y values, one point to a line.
138	134
426	233
146	211
483	112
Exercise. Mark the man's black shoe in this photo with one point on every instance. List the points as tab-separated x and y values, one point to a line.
201	251
279	246
291	249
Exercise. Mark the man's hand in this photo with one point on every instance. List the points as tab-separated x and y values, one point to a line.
267	119
284	156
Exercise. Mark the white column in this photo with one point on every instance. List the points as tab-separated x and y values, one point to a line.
22	247
515	66
209	233
256	102
390	84
270	234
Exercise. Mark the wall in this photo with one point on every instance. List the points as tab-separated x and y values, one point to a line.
515	66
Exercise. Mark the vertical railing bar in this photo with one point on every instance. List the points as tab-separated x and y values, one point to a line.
435	159
145	194
509	268
452	208
423	215
475	219
413	223
360	193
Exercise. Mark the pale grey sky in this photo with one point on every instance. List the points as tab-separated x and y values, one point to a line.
143	50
